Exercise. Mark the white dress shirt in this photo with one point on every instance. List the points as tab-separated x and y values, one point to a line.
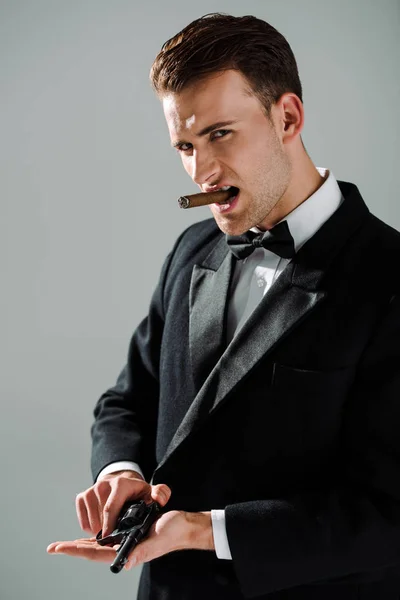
252	278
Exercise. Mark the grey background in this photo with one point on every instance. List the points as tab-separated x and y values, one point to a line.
86	174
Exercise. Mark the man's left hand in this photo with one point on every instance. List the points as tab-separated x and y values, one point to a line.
174	530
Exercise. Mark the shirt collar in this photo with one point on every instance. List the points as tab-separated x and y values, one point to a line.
305	220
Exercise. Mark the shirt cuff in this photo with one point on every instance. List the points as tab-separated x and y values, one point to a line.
219	533
123	465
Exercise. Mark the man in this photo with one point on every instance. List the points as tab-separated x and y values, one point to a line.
261	394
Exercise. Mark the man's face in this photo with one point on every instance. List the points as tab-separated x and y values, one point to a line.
247	153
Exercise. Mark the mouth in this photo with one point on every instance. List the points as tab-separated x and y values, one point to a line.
229	204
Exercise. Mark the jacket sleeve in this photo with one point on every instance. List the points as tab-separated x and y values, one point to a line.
349	530
125	416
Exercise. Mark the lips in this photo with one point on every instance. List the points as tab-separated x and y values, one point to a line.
234	190
230	205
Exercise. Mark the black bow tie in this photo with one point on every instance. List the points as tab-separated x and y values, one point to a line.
278	240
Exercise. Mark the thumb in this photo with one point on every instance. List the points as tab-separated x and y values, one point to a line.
161	493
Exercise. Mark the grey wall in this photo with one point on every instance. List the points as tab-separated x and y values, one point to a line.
86	171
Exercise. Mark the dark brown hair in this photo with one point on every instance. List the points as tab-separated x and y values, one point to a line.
217	42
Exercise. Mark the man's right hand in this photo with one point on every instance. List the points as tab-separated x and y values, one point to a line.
99	506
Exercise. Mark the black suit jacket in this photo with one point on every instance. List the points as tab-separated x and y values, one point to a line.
293	428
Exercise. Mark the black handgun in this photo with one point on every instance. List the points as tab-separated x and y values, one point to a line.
133	523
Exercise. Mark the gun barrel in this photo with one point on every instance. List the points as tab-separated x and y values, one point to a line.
131	541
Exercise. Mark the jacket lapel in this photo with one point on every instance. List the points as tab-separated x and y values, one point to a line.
292	298
207	302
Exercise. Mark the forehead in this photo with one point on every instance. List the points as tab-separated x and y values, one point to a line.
219	97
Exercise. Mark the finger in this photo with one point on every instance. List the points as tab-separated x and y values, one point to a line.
51	547
92	508
81	512
102	491
111	510
125	489
85	549
161	493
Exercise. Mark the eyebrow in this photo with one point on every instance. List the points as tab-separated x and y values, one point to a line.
206	130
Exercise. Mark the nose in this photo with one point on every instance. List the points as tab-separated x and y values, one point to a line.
204	167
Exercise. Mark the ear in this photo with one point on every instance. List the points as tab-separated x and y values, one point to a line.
289	117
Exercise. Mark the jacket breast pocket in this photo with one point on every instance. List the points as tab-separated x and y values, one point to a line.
331	385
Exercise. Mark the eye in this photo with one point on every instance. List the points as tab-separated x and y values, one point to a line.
215	135
223	133
183	148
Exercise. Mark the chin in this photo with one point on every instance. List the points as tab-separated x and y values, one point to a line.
231	228
231	224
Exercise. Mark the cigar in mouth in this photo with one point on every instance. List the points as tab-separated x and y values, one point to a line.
205	198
